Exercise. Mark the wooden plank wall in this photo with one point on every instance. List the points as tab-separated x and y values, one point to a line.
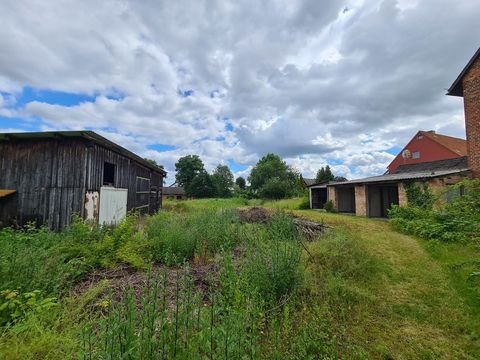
49	176
126	172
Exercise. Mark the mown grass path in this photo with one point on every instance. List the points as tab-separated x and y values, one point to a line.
412	310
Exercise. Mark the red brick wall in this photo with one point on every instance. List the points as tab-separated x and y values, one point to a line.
471	98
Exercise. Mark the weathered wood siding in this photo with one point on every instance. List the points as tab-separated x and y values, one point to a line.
126	173
49	176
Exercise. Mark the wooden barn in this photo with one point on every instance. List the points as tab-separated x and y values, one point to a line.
48	177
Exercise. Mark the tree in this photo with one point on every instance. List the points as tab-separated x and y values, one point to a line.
241	183
187	168
201	186
222	179
273	178
153	163
325	174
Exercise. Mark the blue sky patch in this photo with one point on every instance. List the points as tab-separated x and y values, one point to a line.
185	93
53	97
394	150
161	147
18	123
236	167
335	162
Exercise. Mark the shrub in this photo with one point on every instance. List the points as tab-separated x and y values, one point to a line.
420	196
329	207
15	306
305	204
275	189
458	220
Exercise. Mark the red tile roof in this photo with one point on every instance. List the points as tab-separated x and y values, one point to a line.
457	145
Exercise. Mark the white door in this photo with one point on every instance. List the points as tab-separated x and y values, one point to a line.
113	205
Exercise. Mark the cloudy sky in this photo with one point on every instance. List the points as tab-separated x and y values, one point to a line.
344	83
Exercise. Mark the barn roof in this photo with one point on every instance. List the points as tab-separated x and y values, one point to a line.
309	182
417	171
457	87
173	190
86	134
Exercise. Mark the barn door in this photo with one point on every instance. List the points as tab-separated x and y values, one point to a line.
154	200
113	205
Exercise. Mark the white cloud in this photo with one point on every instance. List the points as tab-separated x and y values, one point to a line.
315	82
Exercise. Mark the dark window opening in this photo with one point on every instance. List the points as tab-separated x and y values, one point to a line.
108	174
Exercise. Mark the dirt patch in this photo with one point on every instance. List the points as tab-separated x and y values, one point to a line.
254	215
122	277
259	215
203	277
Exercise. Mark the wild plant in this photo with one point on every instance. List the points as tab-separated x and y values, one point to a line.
273	258
179	321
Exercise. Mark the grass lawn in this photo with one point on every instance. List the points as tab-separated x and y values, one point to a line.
413	303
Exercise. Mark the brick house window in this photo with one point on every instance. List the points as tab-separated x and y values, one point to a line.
416	155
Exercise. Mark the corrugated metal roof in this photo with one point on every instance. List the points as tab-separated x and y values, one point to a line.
86	134
309	182
173	190
402	176
6	192
447	164
324	183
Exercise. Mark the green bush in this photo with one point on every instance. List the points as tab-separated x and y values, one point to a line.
15	306
305	204
329	207
458	220
420	196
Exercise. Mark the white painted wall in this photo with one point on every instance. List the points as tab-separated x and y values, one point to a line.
113	205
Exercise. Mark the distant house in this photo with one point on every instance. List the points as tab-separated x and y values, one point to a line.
174	193
428	146
374	196
47	177
309	182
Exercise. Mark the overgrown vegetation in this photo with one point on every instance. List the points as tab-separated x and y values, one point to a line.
457	220
173	238
213	287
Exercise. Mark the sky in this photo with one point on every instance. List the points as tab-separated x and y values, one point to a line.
344	83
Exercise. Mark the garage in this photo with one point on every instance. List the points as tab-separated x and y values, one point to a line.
318	197
381	198
346	199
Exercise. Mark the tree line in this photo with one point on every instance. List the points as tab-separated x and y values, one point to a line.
270	178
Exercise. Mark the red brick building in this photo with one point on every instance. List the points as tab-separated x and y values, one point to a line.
467	85
375	195
428	146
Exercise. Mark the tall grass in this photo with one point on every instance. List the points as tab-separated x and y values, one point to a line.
228	320
176	237
183	322
224	321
